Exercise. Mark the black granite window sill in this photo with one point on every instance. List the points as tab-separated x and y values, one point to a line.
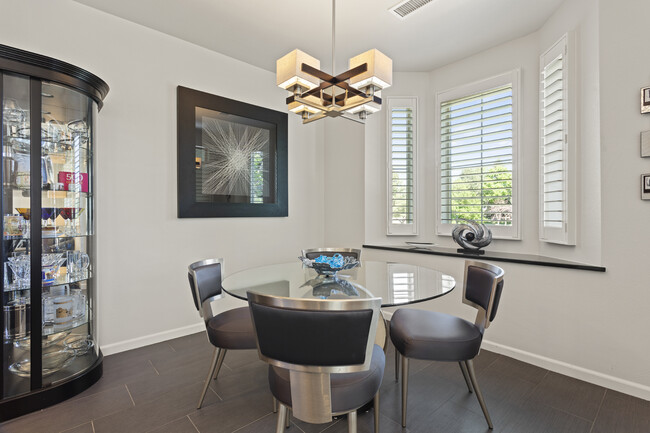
526	259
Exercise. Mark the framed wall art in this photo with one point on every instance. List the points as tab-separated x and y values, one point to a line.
232	158
645	100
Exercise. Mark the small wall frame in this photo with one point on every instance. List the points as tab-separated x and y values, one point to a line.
645	186
645	144
645	100
232	158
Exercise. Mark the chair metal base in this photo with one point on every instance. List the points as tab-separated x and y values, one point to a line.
467	367
284	413
217	361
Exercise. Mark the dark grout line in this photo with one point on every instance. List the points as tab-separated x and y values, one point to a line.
192	422
600	406
129	392
154	367
252	422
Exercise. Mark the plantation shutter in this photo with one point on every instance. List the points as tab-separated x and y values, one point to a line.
476	160
401	166
554	146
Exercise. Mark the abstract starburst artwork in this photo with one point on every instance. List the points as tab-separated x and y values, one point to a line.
231	151
232	158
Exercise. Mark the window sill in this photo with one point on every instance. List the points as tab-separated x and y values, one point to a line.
525	259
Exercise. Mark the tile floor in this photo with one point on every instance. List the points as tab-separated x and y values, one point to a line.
155	389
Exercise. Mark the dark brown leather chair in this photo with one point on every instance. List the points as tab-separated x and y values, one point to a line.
312	253
230	330
321	355
434	336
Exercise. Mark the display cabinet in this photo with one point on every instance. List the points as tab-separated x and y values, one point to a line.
48	115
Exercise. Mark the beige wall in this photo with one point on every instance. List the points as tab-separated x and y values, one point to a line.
143	249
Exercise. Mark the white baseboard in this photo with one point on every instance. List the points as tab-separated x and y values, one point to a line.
591	376
146	340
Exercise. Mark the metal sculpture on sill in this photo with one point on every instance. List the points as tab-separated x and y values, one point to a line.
471	236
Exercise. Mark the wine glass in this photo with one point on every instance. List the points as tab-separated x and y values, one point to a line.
66	214
69	214
25	212
47	214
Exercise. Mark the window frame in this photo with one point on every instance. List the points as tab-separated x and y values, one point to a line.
401	229
567	234
511	77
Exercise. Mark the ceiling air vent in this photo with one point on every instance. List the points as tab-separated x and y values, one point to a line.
404	8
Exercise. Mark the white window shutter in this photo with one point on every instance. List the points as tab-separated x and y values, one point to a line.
556	147
401	163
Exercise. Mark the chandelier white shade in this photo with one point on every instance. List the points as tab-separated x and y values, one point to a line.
379	72
289	71
315	94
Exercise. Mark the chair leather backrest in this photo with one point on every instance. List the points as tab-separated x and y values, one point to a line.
315	335
497	298
483	283
193	289
478	287
316	338
208	282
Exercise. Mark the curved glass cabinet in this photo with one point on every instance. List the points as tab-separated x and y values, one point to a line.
48	114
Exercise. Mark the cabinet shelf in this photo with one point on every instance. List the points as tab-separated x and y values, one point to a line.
60	281
49	236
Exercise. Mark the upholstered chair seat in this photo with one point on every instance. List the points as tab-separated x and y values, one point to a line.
423	334
232	329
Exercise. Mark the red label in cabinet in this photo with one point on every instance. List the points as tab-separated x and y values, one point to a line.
68	179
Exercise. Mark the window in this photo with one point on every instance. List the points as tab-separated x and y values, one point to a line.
477	145
556	147
402	166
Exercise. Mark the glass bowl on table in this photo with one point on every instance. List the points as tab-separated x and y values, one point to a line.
329	266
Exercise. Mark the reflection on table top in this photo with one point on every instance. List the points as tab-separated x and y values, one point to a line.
394	283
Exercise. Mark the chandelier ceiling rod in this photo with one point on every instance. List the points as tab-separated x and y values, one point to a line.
333	37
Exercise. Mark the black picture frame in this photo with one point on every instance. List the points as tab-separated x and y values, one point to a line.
215	181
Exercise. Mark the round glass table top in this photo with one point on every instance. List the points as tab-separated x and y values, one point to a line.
394	283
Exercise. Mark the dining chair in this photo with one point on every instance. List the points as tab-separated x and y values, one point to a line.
434	336
312	253
321	354
230	330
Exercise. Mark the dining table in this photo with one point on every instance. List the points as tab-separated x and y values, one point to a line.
397	284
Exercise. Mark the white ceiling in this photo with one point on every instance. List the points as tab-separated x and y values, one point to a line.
260	31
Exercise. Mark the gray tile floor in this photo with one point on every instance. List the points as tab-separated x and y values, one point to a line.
155	389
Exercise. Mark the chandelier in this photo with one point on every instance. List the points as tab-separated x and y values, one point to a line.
352	94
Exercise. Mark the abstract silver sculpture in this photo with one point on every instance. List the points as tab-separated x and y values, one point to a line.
471	236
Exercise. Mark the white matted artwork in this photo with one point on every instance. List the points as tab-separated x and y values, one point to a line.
645	186
645	100
645	144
